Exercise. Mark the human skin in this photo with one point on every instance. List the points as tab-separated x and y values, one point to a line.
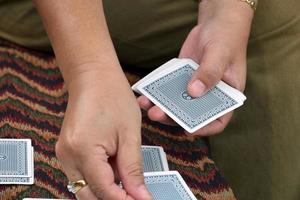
218	43
97	142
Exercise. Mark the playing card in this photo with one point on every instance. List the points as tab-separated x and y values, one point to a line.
15	158
16	180
154	72
167	186
167	66
154	159
168	90
41	199
21	180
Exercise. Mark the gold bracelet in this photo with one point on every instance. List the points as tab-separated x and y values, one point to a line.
251	3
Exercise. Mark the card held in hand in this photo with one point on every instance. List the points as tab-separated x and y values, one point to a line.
168	90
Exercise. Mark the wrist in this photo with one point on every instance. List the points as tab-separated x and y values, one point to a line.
236	9
93	77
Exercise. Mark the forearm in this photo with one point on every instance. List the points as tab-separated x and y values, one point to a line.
79	36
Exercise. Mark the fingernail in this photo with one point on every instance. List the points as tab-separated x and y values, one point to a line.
144	192
197	88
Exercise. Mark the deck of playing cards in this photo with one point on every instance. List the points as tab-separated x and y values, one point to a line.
162	183
16	162
166	87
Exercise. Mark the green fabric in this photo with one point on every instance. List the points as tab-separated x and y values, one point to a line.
259	150
20	23
148	33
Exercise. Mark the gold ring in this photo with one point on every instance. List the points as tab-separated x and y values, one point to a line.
75	186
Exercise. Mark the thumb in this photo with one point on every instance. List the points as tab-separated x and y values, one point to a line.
130	167
209	73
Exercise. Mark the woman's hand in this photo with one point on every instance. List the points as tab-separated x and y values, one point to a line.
100	140
218	43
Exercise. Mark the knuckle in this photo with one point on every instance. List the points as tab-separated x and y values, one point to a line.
104	193
212	75
134	170
98	191
59	150
68	145
130	135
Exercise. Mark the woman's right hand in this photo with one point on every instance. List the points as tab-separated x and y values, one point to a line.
100	140
100	137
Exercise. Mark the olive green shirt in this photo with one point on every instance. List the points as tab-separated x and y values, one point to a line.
20	23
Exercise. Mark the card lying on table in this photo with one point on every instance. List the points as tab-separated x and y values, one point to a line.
166	87
16	161
154	159
42	199
167	186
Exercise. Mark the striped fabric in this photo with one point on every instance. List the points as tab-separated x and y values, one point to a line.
33	100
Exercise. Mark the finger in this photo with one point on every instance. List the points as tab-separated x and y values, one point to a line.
130	166
235	75
72	172
209	73
100	176
214	127
156	114
113	163
144	102
189	46
85	193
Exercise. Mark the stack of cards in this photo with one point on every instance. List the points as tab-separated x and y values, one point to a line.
16	162
162	183
166	87
154	159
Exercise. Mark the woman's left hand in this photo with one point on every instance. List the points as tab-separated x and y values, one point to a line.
218	43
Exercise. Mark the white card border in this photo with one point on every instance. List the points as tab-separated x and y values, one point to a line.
176	173
168	64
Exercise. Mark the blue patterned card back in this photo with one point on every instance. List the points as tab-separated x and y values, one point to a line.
13	158
168	187
152	160
171	92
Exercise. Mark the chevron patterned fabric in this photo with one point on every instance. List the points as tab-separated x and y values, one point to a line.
33	100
